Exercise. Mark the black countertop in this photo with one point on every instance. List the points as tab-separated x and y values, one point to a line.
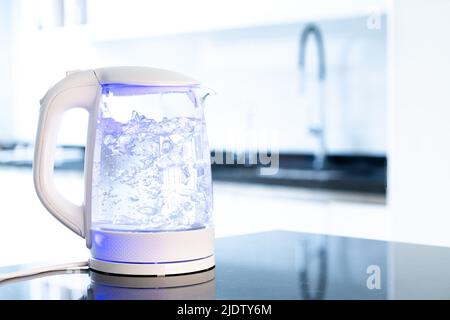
270	265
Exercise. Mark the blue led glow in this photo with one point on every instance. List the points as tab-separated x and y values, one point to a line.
122	89
163	262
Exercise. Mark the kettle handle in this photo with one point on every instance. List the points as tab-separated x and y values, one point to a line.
77	90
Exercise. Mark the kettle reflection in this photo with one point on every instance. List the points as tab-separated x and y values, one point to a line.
194	286
313	267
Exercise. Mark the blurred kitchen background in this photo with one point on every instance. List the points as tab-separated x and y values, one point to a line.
352	95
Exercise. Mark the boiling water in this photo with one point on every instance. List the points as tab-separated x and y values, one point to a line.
151	175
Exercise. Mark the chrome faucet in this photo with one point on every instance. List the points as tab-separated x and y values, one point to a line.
316	129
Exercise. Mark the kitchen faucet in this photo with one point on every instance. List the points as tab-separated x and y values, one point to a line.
316	129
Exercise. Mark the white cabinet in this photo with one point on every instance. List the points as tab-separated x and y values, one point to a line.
419	135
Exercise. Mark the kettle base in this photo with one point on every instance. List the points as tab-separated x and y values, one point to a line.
152	269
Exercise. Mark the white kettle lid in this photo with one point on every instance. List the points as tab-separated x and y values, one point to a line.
142	76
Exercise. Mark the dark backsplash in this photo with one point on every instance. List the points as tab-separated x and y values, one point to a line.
359	173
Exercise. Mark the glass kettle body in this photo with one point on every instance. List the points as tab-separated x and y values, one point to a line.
148	189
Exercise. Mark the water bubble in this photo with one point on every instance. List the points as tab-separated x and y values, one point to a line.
198	197
187	206
135	116
159	221
109	139
147	210
177	138
124	140
166	146
167	126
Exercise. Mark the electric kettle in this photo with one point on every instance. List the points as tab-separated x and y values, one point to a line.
148	193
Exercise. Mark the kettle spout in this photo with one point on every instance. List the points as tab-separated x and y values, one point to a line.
199	95
204	93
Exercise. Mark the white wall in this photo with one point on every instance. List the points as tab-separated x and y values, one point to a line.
419	115
6	129
255	72
40	58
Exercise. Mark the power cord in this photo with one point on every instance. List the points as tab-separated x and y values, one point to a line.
64	267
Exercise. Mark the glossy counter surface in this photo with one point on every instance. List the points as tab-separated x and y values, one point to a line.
270	265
